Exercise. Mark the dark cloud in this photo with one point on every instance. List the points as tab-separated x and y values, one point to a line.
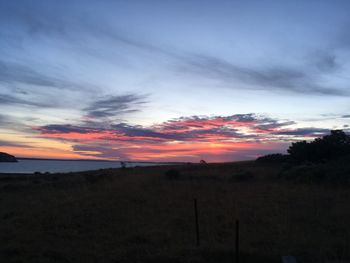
140	131
104	151
51	18
252	120
14	123
35	17
66	128
346	116
195	128
267	124
223	132
326	62
307	132
15	73
13	144
342	41
249	117
9	100
124	140
187	135
72	24
278	78
114	106
3	118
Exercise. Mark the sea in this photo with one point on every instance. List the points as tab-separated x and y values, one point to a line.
64	166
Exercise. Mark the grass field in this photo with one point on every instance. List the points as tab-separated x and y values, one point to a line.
142	215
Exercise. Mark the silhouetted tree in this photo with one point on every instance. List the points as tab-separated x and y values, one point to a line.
328	147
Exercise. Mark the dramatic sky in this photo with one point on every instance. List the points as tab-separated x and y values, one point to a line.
171	80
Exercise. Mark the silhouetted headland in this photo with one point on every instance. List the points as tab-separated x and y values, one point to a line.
5	157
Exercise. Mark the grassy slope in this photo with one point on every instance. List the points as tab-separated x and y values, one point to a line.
139	215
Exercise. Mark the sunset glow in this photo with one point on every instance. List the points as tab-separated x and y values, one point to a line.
174	81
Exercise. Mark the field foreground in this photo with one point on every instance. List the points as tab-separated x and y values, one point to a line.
143	215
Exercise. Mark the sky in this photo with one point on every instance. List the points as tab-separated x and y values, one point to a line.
171	80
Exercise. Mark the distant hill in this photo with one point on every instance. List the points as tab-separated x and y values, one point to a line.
4	157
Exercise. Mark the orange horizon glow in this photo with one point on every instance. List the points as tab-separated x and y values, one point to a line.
219	139
144	153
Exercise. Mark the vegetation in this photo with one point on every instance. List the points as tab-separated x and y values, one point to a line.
323	160
274	158
172	173
329	147
139	215
335	172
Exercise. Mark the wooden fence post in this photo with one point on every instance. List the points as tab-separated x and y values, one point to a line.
196	222
237	242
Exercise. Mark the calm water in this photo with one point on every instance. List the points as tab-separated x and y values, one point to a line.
54	166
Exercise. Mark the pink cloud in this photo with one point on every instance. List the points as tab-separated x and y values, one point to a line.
219	138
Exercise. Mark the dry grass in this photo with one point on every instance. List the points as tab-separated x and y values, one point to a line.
140	215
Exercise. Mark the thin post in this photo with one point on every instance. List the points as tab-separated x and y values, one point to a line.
237	241
196	221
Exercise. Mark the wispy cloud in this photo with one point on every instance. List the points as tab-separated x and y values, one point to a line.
242	127
114	106
273	78
14	144
76	29
16	73
3	119
308	132
10	100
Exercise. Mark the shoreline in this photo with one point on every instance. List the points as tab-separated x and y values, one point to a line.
51	166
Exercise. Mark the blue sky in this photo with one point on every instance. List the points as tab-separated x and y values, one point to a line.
104	65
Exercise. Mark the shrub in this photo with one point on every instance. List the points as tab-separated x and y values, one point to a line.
329	147
273	158
331	172
172	174
243	176
94	178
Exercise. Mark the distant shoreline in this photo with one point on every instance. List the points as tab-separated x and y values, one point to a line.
53	159
93	160
37	165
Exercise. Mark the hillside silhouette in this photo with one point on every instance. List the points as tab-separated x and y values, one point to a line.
5	157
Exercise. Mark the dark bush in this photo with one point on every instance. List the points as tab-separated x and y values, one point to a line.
274	158
123	165
337	171
243	176
329	147
94	178
172	174
304	173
